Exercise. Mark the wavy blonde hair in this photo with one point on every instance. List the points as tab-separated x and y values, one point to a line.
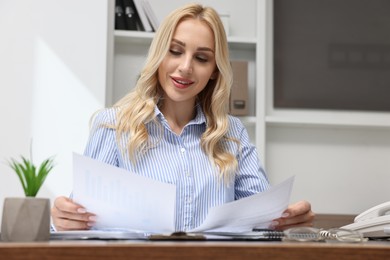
137	107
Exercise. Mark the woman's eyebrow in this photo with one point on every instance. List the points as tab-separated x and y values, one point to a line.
200	48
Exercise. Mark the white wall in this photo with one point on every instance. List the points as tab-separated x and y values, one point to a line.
52	78
339	170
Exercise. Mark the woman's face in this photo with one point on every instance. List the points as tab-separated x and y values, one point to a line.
190	62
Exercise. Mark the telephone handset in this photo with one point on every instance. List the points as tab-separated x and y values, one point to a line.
374	222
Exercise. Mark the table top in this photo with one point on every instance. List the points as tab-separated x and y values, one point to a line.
64	250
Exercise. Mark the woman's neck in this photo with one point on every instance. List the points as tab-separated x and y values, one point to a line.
178	114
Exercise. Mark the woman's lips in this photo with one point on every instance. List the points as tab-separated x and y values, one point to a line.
181	82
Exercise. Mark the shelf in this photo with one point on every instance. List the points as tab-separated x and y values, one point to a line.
338	119
133	36
146	38
248	120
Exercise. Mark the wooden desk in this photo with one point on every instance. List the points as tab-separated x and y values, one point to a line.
85	250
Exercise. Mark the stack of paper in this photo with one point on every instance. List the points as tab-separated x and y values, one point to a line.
128	201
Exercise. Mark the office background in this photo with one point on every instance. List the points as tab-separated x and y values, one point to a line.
56	70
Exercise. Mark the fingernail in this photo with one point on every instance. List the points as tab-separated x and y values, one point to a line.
274	223
285	215
92	218
90	224
81	210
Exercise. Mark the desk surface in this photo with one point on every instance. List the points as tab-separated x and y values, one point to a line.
85	250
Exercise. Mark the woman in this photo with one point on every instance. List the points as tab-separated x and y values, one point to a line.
174	127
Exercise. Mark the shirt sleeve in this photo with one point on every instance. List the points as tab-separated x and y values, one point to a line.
102	143
250	176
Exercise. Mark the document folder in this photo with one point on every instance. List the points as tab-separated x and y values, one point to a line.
98	235
260	235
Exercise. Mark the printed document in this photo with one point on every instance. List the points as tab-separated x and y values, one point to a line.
121	199
125	200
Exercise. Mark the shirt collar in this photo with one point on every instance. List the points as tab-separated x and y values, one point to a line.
199	119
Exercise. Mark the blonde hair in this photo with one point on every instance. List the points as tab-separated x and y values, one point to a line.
137	107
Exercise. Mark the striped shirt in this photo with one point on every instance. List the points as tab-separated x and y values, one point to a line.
180	160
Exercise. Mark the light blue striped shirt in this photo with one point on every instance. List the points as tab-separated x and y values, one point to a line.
180	160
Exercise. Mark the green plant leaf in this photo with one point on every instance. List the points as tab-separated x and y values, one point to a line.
29	173
18	170
30	179
44	169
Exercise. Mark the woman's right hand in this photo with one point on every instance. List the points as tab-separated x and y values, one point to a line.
68	215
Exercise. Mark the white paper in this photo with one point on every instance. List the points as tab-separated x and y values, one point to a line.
255	211
122	199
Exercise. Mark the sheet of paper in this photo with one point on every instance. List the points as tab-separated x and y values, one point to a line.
123	199
245	214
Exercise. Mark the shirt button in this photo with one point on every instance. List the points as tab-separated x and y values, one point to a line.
187	173
182	150
188	200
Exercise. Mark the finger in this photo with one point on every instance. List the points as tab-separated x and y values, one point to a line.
68	224
304	224
301	220
86	217
65	204
68	215
305	219
70	221
297	209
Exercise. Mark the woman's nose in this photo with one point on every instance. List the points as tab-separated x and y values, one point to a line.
186	65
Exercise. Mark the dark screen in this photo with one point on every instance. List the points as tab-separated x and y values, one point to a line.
332	54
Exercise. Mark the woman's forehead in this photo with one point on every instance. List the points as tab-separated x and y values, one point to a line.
194	31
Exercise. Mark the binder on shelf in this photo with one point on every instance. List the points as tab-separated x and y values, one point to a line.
142	16
131	15
120	19
239	92
151	15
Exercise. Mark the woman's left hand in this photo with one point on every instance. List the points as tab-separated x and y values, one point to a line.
297	214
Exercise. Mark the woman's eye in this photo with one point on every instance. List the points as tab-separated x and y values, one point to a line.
202	58
174	52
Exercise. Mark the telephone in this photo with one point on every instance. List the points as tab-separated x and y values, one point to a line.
374	222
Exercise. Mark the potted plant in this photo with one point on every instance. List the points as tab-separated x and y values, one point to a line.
28	218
